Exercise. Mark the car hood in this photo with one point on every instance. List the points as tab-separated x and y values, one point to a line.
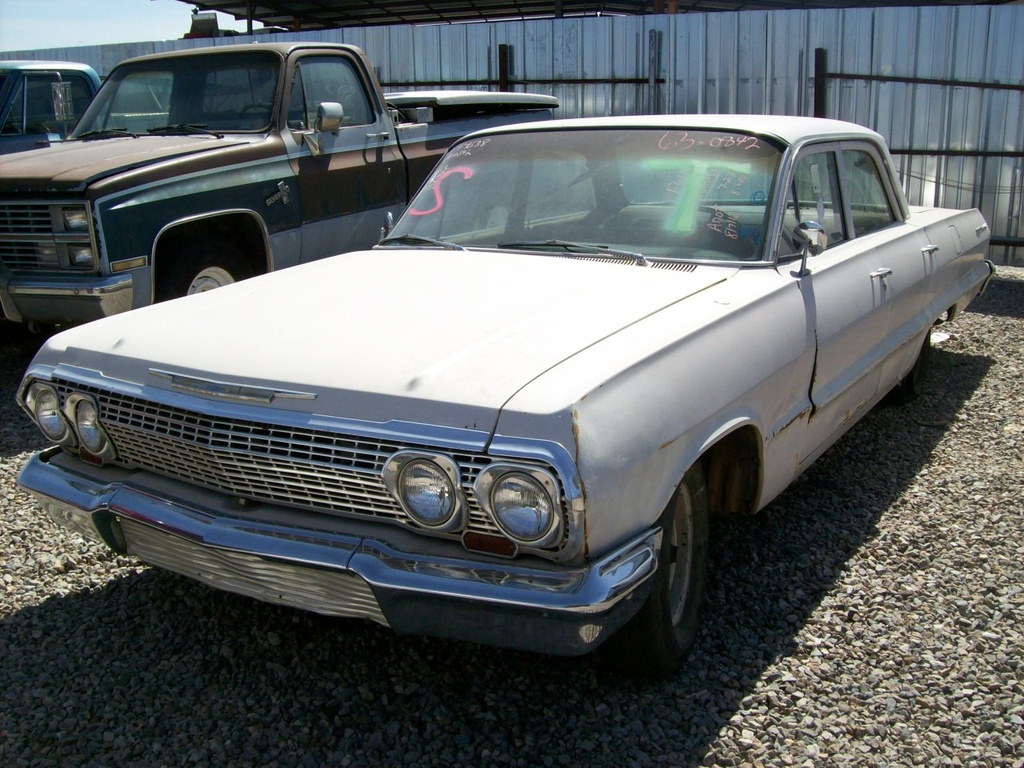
72	165
429	336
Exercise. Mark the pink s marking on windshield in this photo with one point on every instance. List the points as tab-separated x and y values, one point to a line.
436	186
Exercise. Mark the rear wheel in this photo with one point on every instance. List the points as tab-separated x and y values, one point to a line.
912	385
656	641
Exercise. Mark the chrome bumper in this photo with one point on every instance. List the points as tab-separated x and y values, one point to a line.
540	607
70	300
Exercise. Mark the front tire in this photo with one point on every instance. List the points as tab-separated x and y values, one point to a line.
657	640
208	265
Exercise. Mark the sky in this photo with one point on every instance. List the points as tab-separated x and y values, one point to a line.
29	25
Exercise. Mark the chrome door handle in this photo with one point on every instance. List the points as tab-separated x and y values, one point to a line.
378	136
881	273
929	249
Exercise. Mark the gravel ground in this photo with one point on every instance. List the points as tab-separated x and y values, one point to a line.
871	616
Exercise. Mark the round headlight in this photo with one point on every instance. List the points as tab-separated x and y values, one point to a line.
427	493
45	404
87	424
523	507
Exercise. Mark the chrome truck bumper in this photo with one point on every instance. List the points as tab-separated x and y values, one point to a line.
537	607
72	300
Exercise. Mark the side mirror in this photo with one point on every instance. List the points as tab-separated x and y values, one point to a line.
329	115
389	224
815	240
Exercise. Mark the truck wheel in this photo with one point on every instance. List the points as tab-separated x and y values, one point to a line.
657	640
213	264
208	279
912	385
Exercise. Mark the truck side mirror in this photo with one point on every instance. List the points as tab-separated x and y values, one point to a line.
815	240
329	115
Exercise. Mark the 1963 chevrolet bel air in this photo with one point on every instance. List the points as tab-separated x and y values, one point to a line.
510	421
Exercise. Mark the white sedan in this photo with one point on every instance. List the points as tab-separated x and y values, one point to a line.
510	421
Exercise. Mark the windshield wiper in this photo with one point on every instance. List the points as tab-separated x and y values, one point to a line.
184	129
583	249
420	240
106	133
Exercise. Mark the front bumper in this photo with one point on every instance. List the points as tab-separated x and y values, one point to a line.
270	555
63	300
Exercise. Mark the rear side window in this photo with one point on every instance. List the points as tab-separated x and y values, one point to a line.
869	202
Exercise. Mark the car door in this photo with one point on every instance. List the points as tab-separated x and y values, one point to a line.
905	259
847	305
345	190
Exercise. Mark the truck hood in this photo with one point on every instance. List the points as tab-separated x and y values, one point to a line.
72	165
429	336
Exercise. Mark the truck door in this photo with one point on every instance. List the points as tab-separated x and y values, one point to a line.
847	306
346	190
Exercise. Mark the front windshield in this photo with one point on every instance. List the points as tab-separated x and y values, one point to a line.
688	195
229	93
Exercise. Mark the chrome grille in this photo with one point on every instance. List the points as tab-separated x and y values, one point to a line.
291	466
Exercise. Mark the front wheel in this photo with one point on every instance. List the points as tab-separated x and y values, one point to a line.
204	266
656	641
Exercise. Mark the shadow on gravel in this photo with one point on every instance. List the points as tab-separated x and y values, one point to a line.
1004	297
213	679
17	433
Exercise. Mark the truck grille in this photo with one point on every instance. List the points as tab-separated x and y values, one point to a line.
25	219
291	466
33	237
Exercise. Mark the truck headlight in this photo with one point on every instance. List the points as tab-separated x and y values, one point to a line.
75	219
427	487
44	403
81	256
523	502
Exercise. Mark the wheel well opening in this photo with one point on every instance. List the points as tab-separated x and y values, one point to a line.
238	233
732	470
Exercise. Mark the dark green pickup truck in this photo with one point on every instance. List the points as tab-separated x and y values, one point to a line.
201	167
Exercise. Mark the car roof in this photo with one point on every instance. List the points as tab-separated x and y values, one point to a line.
789	129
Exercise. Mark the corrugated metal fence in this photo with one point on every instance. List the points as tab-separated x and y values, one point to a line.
942	84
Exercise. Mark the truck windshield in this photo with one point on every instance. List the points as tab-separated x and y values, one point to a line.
664	194
232	92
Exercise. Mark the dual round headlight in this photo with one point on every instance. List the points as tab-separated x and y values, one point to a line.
44	403
427	487
76	421
523	502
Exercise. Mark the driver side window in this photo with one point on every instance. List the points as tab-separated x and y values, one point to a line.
813	195
320	79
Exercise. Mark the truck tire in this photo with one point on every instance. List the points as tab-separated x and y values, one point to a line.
212	264
657	640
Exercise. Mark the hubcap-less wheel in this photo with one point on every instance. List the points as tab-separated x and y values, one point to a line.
680	563
657	640
208	279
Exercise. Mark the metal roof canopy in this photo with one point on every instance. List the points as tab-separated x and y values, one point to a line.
303	15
